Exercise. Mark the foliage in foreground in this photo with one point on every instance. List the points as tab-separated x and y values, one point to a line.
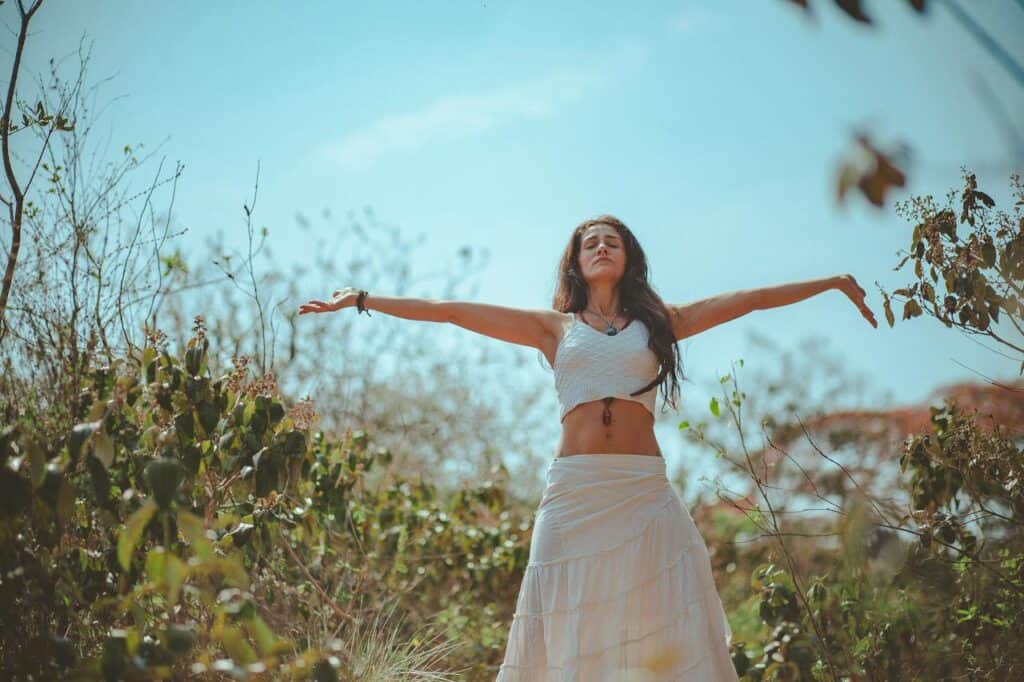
946	602
193	524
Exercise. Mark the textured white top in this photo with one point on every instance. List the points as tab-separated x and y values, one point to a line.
590	365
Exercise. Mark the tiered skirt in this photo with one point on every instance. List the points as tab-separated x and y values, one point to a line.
618	586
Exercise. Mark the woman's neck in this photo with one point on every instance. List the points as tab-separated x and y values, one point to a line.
604	300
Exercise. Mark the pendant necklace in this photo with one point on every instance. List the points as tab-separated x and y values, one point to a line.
611	330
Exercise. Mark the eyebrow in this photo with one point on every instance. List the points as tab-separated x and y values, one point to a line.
594	236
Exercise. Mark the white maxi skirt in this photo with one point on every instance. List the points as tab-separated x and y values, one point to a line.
618	587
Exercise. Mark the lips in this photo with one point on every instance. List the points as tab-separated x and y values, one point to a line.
603	260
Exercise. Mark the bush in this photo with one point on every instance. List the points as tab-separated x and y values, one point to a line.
196	524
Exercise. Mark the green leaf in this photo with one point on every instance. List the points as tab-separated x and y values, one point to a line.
683	425
208	416
103	448
294	443
179	638
167	569
236	646
100	480
192	527
714	406
37	458
163	476
234	572
262	634
65	501
113	660
155	560
130	534
79	434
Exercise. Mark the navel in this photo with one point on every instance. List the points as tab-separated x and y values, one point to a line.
606	416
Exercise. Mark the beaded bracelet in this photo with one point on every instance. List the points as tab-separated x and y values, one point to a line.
359	302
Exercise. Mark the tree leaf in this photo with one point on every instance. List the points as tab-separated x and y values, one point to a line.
155	560
236	646
175	572
911	309
853	9
163	475
988	252
103	448
79	434
194	530
848	177
37	458
130	534
65	501
986	199
261	633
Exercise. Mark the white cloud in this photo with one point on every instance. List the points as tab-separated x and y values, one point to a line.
458	116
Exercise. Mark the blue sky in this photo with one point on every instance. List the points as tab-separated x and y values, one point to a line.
712	129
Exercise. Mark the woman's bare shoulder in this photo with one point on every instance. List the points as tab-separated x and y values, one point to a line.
556	322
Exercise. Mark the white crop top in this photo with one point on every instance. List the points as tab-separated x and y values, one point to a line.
590	365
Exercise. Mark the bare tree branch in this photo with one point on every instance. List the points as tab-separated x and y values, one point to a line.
12	180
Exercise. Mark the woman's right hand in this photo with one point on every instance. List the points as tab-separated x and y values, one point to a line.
343	298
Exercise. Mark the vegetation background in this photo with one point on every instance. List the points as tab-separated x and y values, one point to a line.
176	501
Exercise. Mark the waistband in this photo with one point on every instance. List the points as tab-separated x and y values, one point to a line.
603	460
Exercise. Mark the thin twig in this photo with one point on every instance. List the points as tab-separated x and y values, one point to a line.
305	571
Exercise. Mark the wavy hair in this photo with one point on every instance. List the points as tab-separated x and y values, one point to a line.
636	297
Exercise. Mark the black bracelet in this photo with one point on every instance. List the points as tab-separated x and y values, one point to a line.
359	302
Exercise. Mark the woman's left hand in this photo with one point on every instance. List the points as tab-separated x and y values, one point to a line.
848	285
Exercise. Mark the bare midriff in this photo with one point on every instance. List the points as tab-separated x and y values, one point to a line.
629	431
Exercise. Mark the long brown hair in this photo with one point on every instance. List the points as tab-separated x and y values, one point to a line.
636	297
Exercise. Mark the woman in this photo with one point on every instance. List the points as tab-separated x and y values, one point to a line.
618	584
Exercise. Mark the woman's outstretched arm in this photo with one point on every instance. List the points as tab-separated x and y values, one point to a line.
785	294
693	318
527	327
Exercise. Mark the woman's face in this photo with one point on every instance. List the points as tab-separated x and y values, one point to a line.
602	254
